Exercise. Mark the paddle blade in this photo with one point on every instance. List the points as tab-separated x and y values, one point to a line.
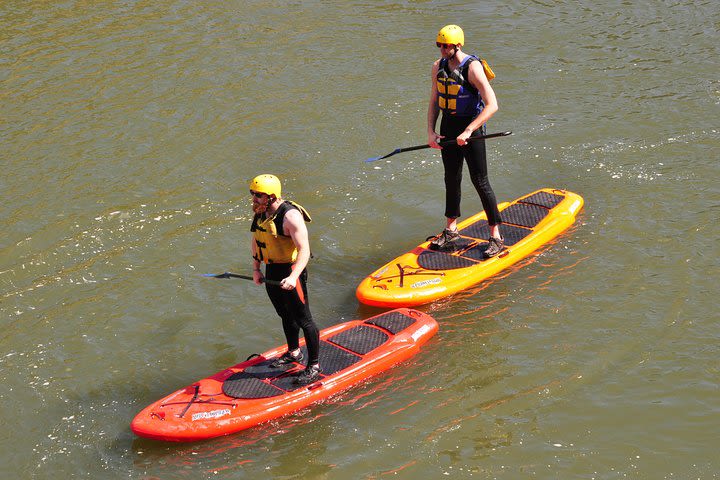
384	156
216	275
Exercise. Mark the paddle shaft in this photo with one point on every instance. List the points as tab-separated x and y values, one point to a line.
245	277
447	143
444	143
264	280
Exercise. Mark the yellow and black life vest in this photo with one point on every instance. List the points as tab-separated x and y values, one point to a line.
456	95
271	244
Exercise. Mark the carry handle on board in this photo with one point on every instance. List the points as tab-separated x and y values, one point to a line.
444	143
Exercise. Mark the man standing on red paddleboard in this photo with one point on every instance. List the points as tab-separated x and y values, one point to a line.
461	89
280	240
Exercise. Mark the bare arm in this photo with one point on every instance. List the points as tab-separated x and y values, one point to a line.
477	78
433	108
294	226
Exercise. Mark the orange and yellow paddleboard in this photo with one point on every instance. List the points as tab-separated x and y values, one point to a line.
423	275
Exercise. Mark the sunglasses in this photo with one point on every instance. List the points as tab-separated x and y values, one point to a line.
257	194
444	45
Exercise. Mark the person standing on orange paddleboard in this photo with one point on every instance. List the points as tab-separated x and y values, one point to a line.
461	89
280	240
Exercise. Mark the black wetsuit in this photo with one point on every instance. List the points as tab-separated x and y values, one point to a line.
474	154
294	312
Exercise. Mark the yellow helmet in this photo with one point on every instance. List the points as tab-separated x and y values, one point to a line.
266	183
451	34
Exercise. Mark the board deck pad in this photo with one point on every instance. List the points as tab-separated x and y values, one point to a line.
524	214
423	275
544	199
432	260
244	385
481	231
253	391
334	359
393	322
360	340
263	370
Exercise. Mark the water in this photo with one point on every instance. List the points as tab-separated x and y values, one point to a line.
130	131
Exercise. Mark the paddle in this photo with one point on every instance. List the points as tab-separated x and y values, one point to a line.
298	287
444	143
237	275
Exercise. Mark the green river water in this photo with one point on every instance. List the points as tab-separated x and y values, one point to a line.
129	131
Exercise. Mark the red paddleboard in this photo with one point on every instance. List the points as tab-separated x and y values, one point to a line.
252	392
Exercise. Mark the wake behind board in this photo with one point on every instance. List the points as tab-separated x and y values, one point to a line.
422	275
252	392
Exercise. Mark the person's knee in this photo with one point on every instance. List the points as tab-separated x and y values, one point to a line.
482	181
482	185
307	324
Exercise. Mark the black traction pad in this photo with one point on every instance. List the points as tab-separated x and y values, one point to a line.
458	244
544	199
264	370
262	381
524	214
431	260
332	360
361	339
393	322
244	385
477	252
287	383
481	231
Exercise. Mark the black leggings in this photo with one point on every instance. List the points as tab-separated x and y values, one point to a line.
294	313
474	153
